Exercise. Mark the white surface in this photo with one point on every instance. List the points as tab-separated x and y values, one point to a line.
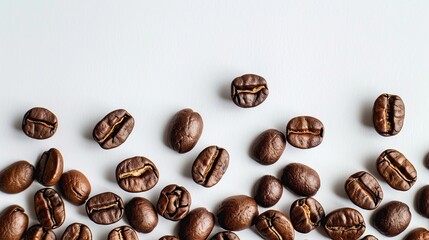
83	59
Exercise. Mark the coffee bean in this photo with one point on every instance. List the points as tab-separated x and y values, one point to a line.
268	147
141	215
268	191
13	223
105	208
114	129
423	201
137	174
185	130
39	123
388	114
50	209
210	165
123	233
197	225
16	177
344	223
397	170
77	231
75	187
301	179
174	202
392	218
274	225
169	238
364	190
237	212
306	214
37	232
226	235
369	237
249	90
49	168
418	234
305	132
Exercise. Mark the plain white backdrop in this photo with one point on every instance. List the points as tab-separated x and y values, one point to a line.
330	59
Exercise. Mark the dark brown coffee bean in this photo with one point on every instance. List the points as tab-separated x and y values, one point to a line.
123	233
268	191
306	214
274	225
105	208
237	212
75	187
388	114
174	202
301	179
185	130
210	165
226	235
50	167
37	232
169	238
77	231
39	123
16	177
197	225
137	174
13	223
50	209
113	129
423	201
364	190
397	170
344	223
141	215
249	90
268	147
369	237
392	218
418	234
305	132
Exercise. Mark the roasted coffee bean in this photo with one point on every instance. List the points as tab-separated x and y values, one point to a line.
418	234
141	215
369	237
185	130
123	233
105	208
39	123
268	191
268	147
423	201
77	231
305	132
301	179
13	223
364	190
392	218
226	235
237	212
388	114
397	170
249	90
306	214
210	165
16	177
274	225
344	223
197	225
114	129
169	238
137	174
174	202
50	167
75	187
37	232
50	209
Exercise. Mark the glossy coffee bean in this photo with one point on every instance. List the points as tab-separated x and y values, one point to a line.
249	90
185	130
305	132
268	147
388	114
301	179
237	212
168	237
16	177
75	187
174	202
364	190
268	191
344	223
197	225
37	232
418	234
226	235
13	223
392	218
50	209
114	129
423	201
210	165
123	233
137	174
77	231
274	225
141	215
396	169
50	167
39	123
306	214
105	208
369	237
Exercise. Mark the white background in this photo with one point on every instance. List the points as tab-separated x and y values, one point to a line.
330	59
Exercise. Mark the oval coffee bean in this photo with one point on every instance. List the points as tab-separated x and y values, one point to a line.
113	129
364	190
344	223
16	177
237	212
50	167
105	208
141	215
210	165
226	235
13	223
197	225
169	238
397	170
423	201
50	209
418	234
268	191
306	214
249	90
305	132
174	202
392	218
75	187
388	114
137	174
301	179
185	130
77	231
268	147
37	232
39	123
123	233
369	237
274	225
